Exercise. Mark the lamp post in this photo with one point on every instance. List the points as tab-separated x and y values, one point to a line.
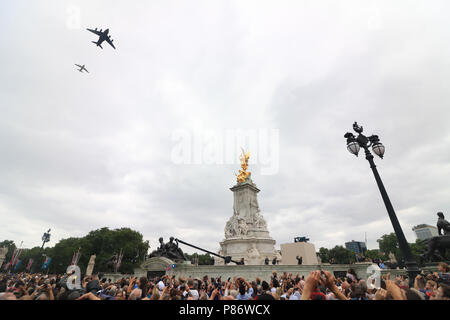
45	238
361	141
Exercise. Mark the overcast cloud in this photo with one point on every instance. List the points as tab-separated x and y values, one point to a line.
85	151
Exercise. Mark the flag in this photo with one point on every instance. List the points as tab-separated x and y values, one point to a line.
17	265
15	258
170	267
46	263
76	258
30	263
119	260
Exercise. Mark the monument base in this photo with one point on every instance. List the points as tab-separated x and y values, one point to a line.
253	250
307	251
264	272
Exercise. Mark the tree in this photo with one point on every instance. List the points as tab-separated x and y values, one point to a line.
341	255
102	242
324	255
388	243
203	259
11	247
418	248
373	254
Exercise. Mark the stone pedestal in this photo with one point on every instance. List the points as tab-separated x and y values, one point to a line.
90	266
307	251
3	252
246	234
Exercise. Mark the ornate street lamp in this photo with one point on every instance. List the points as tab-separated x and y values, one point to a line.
361	141
45	239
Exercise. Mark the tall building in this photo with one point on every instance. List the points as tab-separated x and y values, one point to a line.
425	231
356	246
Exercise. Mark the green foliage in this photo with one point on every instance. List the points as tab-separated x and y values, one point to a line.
388	243
341	255
11	247
102	242
203	259
418	248
373	254
324	255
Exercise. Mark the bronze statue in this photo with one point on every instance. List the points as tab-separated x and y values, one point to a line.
440	243
173	251
443	224
161	251
169	250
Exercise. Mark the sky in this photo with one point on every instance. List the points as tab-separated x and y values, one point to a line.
150	138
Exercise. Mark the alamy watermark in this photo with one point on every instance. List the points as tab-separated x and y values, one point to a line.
374	279
224	147
73	20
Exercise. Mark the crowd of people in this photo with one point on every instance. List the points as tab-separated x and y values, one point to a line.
318	285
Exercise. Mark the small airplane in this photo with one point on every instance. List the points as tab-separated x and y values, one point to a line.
103	37
81	68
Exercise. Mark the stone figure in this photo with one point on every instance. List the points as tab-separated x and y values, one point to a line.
90	266
111	262
3	252
229	229
242	227
260	222
392	258
253	254
439	243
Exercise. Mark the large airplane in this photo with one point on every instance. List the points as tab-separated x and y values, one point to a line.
81	68
103	37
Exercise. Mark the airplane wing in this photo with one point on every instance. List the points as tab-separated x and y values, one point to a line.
94	31
110	42
78	65
86	70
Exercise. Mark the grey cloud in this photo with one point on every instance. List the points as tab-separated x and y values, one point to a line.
80	152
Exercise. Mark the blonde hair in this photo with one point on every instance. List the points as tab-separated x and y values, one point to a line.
278	293
444	266
155	294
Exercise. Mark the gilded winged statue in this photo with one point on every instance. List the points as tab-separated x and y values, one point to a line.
243	174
